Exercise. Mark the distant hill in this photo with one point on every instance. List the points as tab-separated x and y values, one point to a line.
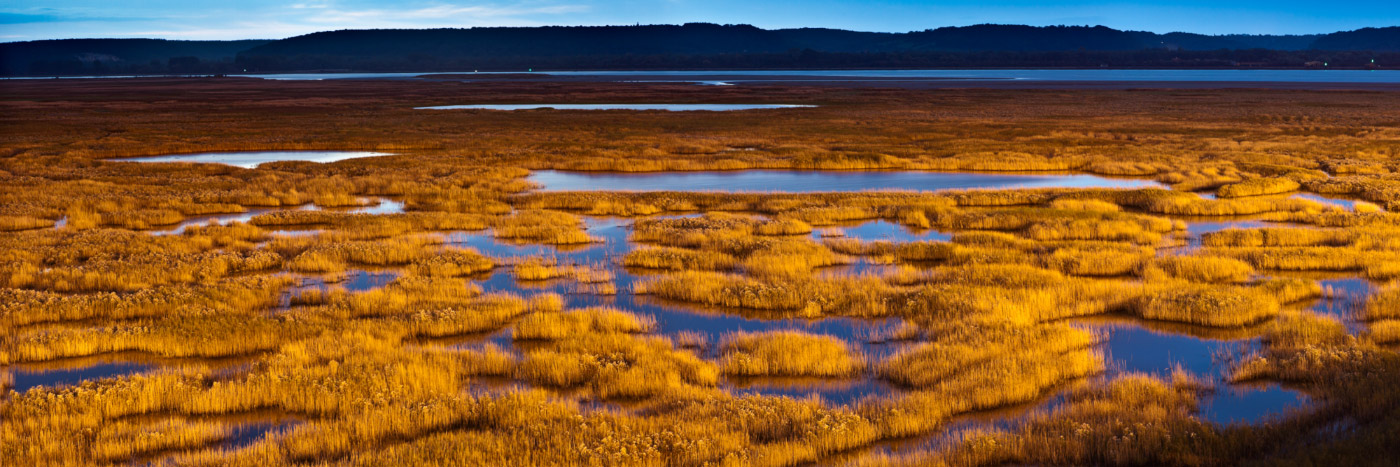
74	56
700	46
1386	39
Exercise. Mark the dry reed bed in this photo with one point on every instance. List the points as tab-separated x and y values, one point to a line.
982	311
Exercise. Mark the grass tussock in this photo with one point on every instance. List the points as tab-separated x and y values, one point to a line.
1221	306
1258	186
930	364
617	366
539	226
1203	269
678	259
787	353
555	326
1383	304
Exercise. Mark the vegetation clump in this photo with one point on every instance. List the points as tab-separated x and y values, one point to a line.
787	353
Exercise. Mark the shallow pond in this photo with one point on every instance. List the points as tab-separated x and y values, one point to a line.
75	370
374	206
250	160
30	376
1344	295
712	324
878	230
1344	203
666	107
1131	347
792	181
1114	75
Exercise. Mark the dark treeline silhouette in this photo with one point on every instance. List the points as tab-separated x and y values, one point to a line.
104	56
702	46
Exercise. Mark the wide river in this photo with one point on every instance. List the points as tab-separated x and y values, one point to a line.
1258	76
1106	75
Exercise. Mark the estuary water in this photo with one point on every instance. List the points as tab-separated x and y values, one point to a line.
792	181
731	76
1253	76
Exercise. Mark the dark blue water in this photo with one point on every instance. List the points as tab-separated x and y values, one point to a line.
26	378
1284	76
791	181
878	230
739	76
1131	348
1344	297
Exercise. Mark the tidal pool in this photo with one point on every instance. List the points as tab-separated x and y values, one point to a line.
837	391
250	160
794	181
1345	296
666	107
1344	203
30	376
673	318
877	230
75	370
1130	347
374	206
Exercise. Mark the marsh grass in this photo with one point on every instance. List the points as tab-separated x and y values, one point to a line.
982	312
552	227
944	359
787	353
678	259
1203	269
1383	304
555	326
1221	306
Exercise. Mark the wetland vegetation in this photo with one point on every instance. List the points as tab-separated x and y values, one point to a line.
439	306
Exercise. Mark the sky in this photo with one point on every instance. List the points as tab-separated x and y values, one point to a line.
22	20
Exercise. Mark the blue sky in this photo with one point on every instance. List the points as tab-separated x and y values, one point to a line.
239	19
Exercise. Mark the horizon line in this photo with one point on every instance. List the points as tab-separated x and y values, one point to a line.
637	25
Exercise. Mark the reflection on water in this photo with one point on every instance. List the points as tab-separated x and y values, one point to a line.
1131	347
353	280
1249	403
1344	298
880	229
792	181
220	219
829	390
666	107
375	206
250	160
1348	204
360	280
1195	229
244	434
30	376
1115	75
75	370
709	323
